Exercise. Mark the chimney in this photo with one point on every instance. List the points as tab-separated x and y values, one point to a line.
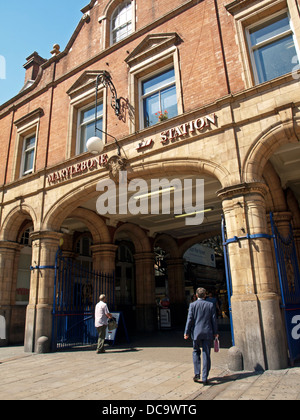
32	66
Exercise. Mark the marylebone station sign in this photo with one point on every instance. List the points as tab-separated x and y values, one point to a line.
180	132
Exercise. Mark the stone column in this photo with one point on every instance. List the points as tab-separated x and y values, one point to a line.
145	292
104	261
39	311
104	257
257	320
177	291
9	259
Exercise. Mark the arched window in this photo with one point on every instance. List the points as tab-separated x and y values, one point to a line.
121	22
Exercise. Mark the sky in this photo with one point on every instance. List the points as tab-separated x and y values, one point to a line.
32	25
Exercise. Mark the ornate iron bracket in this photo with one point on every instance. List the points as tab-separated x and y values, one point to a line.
105	78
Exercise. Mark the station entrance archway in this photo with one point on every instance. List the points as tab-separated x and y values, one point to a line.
140	280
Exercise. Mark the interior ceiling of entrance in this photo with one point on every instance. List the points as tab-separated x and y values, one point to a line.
286	162
166	223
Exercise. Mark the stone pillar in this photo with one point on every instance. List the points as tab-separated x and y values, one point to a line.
257	321
177	291
39	311
104	257
145	292
296	233
104	261
282	221
9	259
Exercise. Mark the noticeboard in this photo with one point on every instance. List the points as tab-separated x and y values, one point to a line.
111	335
165	318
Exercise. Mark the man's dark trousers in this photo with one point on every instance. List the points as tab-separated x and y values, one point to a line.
206	347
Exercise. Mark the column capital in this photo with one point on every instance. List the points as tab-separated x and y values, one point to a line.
104	248
144	256
282	216
10	246
174	261
46	234
256	187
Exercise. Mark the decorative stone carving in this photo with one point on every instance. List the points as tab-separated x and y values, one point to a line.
116	164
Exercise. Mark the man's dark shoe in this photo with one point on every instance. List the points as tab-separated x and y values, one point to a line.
196	378
205	382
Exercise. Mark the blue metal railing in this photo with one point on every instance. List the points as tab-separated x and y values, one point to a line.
76	293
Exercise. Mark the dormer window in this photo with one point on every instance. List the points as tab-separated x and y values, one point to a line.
121	22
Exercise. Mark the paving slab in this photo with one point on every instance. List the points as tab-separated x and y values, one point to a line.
151	368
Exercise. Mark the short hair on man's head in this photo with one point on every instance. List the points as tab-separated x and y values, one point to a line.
201	293
102	297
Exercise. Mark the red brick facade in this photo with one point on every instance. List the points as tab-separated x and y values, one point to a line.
207	43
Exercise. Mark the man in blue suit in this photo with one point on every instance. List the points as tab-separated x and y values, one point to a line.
202	327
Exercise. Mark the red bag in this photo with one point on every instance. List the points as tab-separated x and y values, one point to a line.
217	345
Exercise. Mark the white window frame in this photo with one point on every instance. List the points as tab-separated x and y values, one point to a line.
24	172
142	97
80	125
129	22
268	41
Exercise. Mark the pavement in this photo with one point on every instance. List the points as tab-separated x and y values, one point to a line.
151	367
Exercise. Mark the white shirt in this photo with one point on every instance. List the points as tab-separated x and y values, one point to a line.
100	314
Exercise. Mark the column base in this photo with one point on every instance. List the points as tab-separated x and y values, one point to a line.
259	331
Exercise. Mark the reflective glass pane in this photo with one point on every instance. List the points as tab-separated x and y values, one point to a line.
169	102
158	81
121	22
29	142
270	29
151	107
28	161
275	59
89	113
88	131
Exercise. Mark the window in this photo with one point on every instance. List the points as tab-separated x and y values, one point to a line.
121	22
24	272
86	125
24	161
84	251
159	98
28	155
154	81
272	48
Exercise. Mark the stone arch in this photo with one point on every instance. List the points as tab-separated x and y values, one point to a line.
108	12
275	199
196	239
173	167
14	220
110	7
264	146
68	203
167	242
94	223
136	235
